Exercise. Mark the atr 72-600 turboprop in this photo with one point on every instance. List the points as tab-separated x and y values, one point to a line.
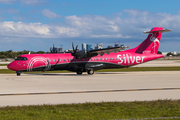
88	61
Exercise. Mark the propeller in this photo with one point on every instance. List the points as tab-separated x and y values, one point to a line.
74	50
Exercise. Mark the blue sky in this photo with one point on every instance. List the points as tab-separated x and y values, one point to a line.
38	24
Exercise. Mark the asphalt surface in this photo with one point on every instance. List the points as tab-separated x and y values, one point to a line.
67	88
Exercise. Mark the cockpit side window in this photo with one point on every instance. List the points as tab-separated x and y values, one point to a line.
21	58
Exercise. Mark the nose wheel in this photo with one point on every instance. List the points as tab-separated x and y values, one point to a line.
18	73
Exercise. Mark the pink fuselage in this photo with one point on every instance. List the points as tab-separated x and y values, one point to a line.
65	61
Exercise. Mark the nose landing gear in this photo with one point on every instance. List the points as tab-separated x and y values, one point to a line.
18	73
79	72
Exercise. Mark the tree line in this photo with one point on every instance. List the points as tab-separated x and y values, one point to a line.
12	54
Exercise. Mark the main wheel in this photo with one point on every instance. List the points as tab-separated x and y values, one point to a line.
90	71
18	73
79	72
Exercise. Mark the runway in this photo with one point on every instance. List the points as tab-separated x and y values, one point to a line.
67	88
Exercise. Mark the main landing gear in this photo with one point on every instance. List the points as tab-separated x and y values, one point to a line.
18	73
89	72
79	72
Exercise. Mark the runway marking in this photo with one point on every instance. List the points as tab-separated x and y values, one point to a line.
45	93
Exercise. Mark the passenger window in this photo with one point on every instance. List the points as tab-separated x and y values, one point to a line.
51	60
96	58
54	60
57	60
109	58
106	58
60	59
93	58
112	58
119	58
67	59
103	58
64	60
115	58
99	58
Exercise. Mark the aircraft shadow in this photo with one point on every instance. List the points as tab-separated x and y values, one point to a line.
70	74
55	74
109	73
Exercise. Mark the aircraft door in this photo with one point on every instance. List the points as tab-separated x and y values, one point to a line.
48	65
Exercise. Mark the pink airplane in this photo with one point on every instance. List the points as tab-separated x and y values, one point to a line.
88	61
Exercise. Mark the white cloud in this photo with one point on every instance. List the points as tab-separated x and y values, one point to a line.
50	14
93	26
33	2
110	36
10	28
127	25
19	18
63	4
7	1
30	2
67	32
9	10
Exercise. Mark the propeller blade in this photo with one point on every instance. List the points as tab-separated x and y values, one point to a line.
76	47
73	46
74	52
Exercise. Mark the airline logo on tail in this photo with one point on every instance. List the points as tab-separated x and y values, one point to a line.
153	38
155	44
151	44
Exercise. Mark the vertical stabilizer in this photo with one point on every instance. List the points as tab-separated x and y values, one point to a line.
151	44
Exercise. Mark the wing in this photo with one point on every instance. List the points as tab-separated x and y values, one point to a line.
92	53
108	50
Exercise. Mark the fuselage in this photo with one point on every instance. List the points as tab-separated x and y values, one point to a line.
65	61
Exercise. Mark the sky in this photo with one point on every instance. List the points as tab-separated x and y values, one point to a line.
36	25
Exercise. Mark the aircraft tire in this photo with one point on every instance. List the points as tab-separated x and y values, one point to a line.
18	73
90	72
79	73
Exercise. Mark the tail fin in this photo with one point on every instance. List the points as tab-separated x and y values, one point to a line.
151	44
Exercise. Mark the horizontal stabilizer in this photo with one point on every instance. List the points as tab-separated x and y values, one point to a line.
166	30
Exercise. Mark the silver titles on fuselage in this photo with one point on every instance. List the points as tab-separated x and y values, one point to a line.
130	59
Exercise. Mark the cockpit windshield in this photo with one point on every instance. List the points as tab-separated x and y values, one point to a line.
21	58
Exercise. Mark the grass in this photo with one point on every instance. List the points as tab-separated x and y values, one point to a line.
94	111
3	64
7	71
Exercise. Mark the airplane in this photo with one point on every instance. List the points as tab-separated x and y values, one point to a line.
89	61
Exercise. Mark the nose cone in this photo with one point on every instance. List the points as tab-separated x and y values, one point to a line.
11	66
